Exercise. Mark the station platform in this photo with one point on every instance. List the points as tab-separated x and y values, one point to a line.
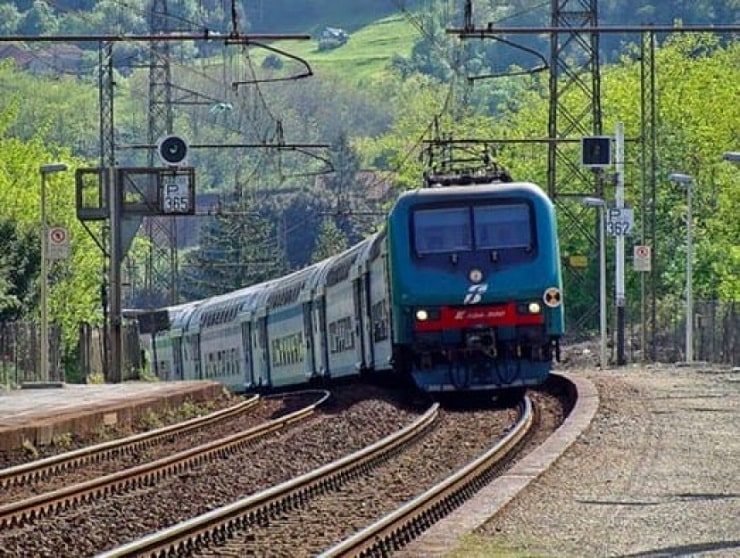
39	413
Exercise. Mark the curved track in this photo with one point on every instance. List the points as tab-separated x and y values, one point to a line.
18	513
39	470
268	519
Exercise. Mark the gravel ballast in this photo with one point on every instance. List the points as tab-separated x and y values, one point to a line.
657	473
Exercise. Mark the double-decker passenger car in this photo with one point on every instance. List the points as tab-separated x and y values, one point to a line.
460	291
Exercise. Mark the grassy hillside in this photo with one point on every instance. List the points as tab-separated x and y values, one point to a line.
366	54
310	16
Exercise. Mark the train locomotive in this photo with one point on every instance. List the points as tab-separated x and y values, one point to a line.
460	291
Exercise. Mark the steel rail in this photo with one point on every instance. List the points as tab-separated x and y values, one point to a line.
400	526
19	513
44	468
218	523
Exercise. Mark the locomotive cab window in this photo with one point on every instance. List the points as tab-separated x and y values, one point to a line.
443	230
496	228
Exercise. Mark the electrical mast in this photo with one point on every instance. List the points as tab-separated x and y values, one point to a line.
160	272
574	64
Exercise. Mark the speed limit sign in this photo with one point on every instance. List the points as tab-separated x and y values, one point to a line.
58	243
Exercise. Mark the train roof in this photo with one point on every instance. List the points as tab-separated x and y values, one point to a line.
527	189
180	314
225	307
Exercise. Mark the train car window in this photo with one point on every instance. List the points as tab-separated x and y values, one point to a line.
498	227
442	230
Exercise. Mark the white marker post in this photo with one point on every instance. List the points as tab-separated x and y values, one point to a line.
620	295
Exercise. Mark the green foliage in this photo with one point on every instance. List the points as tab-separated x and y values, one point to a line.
19	265
73	283
331	241
237	248
55	111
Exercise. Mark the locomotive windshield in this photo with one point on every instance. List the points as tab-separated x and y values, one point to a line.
478	227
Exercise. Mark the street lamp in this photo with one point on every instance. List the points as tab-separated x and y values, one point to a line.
679	178
733	156
601	205
44	170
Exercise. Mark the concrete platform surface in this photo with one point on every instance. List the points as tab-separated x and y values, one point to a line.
40	413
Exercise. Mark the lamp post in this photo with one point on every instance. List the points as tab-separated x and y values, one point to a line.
679	178
601	205
45	170
733	156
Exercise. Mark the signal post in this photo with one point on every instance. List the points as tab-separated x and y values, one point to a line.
124	196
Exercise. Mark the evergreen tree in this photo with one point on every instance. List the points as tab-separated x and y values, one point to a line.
237	249
349	202
330	241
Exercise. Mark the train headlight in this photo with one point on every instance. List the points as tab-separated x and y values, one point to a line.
422	315
475	275
534	308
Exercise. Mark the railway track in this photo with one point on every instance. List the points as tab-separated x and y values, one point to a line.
39	470
397	528
20	512
279	517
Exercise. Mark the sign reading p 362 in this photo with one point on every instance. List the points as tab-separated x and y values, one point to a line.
620	221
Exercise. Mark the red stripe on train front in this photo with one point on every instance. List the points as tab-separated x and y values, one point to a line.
477	316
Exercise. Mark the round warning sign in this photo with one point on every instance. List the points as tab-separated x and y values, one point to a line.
58	235
552	297
642	258
58	243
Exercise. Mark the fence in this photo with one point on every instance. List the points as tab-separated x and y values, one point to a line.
20	353
716	340
716	335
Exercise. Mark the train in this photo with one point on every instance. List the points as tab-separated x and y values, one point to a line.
459	291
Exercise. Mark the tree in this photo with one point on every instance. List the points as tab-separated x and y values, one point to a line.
10	19
237	249
19	266
330	241
39	20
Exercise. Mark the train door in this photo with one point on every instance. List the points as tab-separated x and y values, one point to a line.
320	335
177	357
193	346
357	292
308	334
367	321
264	356
380	314
198	357
249	380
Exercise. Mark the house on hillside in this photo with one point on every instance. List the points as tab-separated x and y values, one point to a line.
332	37
56	59
18	54
59	58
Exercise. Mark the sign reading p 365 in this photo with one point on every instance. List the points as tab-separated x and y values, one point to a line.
177	196
620	221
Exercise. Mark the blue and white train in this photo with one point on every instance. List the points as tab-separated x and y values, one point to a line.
460	291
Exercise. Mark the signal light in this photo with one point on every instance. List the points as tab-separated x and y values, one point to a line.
596	152
173	150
